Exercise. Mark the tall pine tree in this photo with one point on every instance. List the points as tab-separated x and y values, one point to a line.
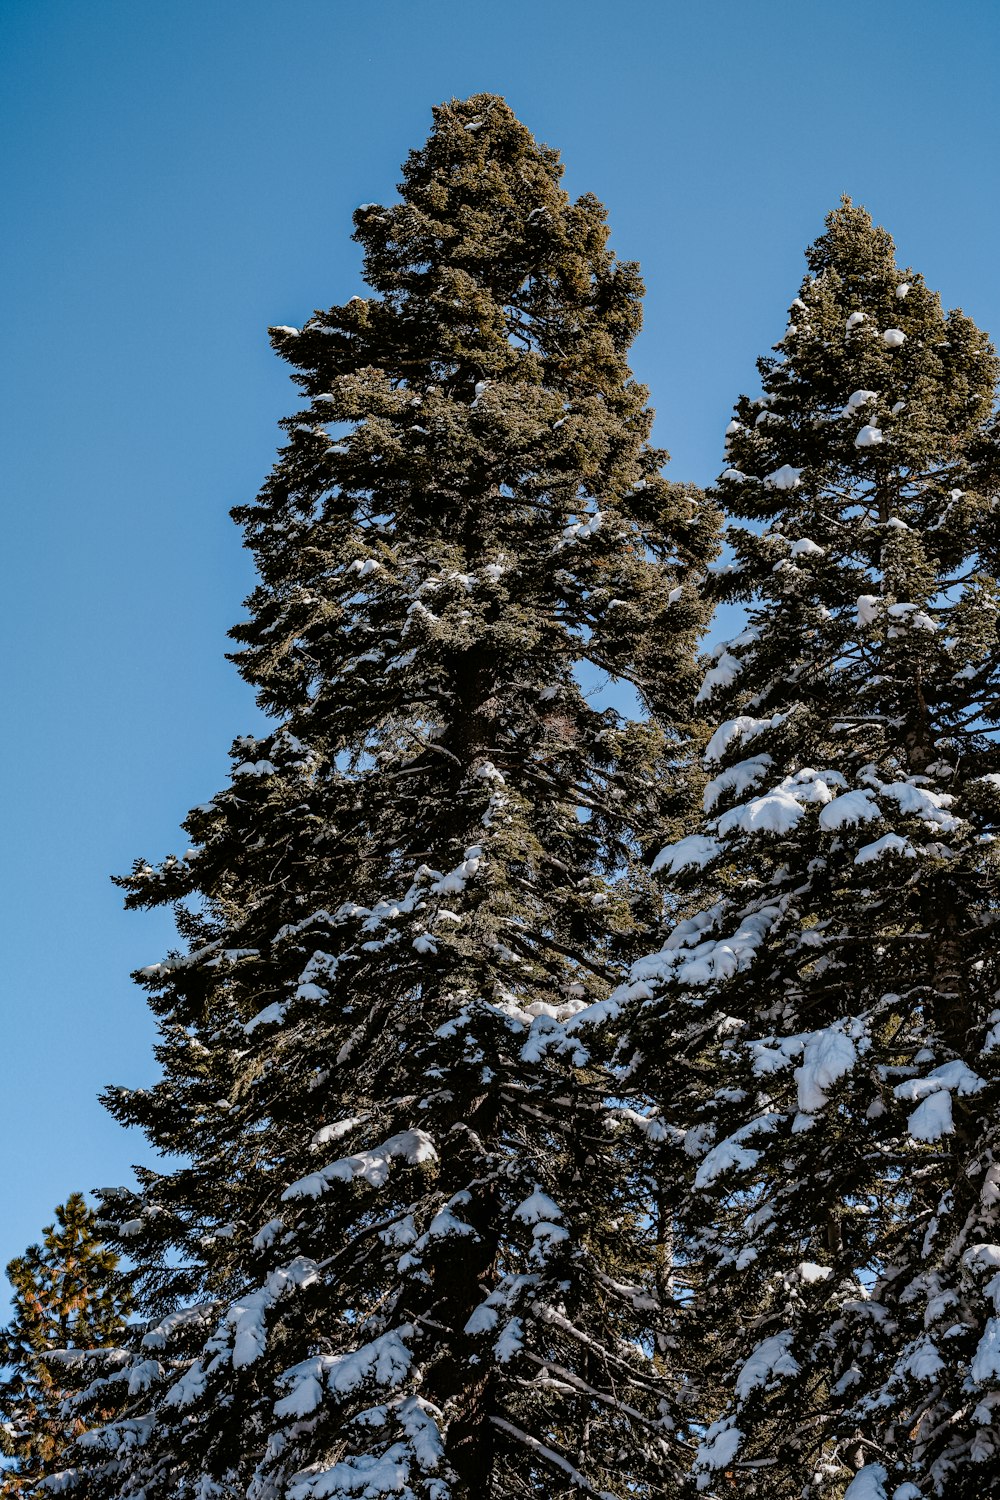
68	1298
824	1021
409	1254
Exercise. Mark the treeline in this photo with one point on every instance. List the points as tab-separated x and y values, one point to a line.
570	1103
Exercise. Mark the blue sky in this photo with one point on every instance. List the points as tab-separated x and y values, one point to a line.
176	177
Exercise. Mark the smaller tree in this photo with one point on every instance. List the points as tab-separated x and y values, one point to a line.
69	1299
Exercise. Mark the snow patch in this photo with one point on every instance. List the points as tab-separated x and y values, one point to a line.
415	1147
722	675
785	478
849	808
868	1484
985	1365
744	727
868	608
827	1056
889	843
772	1357
695	851
718	1449
775	812
737	779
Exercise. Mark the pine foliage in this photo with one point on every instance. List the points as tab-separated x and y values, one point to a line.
408	1253
68	1298
824	1027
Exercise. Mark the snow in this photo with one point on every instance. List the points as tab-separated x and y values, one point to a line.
985	1365
854	320
444	1225
144	1374
698	961
723	1158
918	801
812	786
246	1317
922	1360
185	1318
912	615
269	1232
581	530
897	408
868	607
772	1357
733	428
827	1056
868	437
483	1319
889	843
809	1272
805	548
932	1119
857	399
455	881
694	851
735	476
536	1207
545	1236
894	337
850	807
772	1055
775	812
744	727
414	1146
735	779
417	1419
722	675
510	1342
955	1076
337	1130
731	1153
718	1449
902	289
284	328
385	1362
982	1257
366	1476
868	1484
785	478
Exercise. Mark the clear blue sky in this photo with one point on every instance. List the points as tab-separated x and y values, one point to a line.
176	177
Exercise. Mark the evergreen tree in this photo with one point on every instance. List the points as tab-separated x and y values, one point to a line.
409	1254
824	1026
68	1298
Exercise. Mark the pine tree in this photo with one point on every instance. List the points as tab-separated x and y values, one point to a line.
409	1253
824	1026
68	1298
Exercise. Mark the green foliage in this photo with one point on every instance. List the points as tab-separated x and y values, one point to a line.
824	1020
413	1234
68	1297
